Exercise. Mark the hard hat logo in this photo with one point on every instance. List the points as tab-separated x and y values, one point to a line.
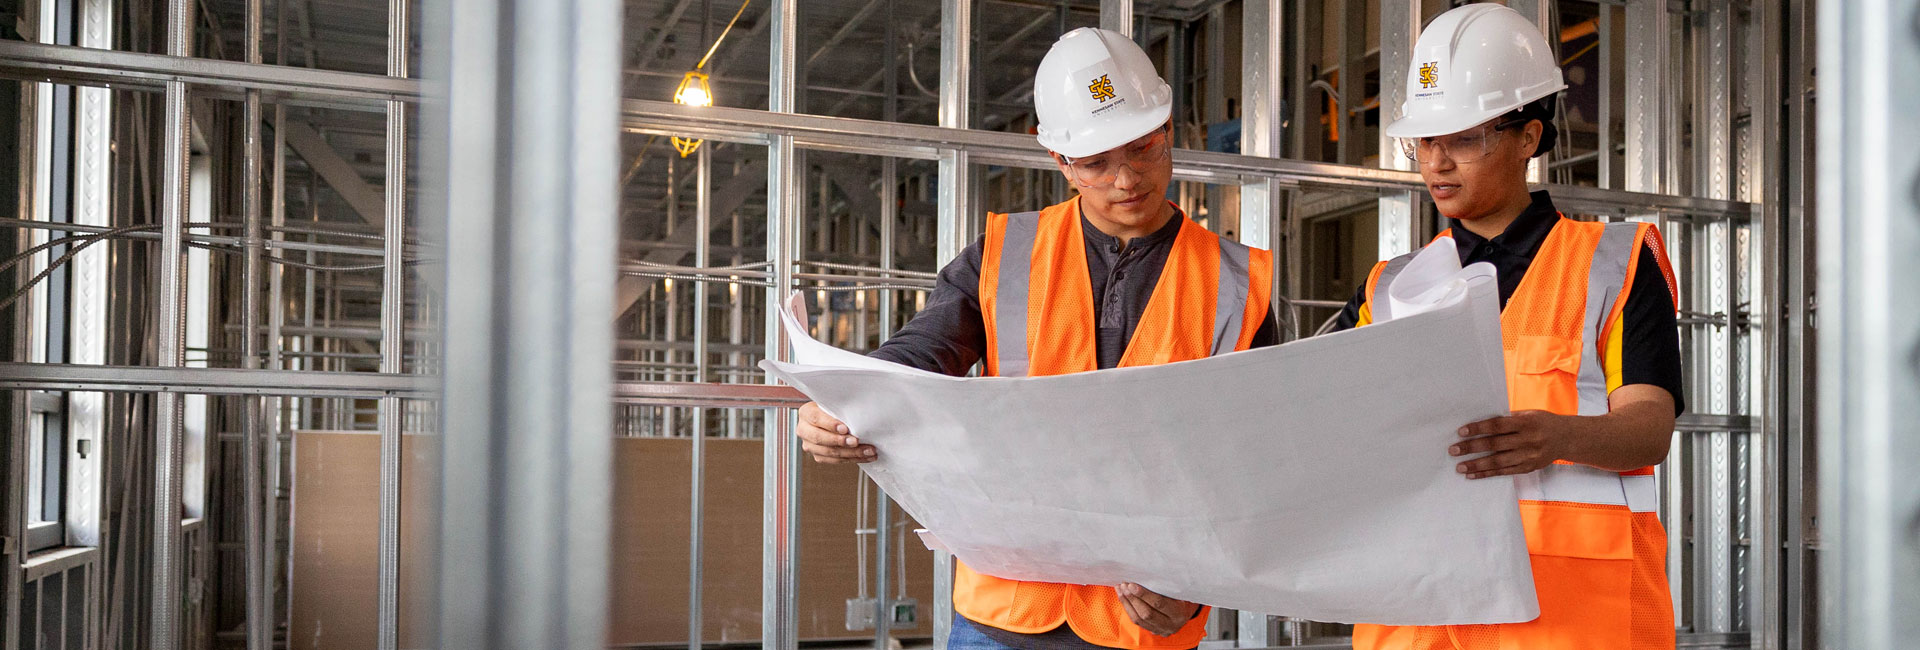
1102	89
1429	74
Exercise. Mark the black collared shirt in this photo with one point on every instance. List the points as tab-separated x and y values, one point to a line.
1650	340
949	335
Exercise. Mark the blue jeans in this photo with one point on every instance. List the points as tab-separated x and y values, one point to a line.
968	635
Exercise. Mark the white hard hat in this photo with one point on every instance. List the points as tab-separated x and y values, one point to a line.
1473	64
1097	90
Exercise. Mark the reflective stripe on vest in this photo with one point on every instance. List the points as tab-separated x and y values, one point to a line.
1016	266
1590	485
1606	278
1010	296
1230	296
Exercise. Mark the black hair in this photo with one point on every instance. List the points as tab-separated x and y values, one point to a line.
1540	109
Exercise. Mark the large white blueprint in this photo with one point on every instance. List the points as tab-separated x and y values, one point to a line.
1309	479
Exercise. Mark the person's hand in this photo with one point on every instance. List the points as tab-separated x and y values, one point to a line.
1153	612
828	439
1521	443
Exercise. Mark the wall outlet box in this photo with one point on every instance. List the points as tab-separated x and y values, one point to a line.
904	612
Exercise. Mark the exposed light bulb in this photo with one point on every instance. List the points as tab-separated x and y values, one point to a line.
694	96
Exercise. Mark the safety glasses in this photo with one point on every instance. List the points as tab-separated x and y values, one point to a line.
1102	169
1465	147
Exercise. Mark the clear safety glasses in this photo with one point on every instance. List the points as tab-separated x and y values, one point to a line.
1464	147
1100	170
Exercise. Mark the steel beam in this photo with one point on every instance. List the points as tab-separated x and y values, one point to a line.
665	28
729	198
846	29
1870	326
363	197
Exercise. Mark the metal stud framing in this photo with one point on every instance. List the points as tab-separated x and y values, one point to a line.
1730	233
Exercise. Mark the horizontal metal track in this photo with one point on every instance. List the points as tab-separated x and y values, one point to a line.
214	381
302	383
707	395
87	66
920	141
1711	423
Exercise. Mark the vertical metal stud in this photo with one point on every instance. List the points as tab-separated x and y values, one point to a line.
956	170
1399	28
392	330
170	352
956	208
780	480
1262	133
1604	28
87	295
1540	13
1714	545
1262	127
257	590
1117	15
1870	327
1768	361
703	209
525	474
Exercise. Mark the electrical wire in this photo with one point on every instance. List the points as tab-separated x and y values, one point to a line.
723	35
42	275
18	257
81	242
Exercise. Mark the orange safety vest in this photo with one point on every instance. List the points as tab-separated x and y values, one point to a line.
1037	303
1593	536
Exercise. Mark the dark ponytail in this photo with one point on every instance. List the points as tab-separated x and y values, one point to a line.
1540	109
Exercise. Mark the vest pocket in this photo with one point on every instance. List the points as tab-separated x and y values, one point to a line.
1582	557
1542	374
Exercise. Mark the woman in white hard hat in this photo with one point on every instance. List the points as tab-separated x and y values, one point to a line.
1587	324
1113	277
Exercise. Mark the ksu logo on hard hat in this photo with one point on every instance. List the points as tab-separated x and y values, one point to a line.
1429	74
1102	89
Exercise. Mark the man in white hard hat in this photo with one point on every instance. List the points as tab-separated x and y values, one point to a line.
1587	324
1115	277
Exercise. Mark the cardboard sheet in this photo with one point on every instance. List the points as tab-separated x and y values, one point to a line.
1309	479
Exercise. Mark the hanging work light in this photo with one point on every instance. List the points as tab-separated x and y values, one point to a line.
694	90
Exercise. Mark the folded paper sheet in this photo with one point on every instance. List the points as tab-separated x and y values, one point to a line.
1309	479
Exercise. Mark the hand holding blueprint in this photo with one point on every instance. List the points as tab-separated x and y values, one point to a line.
1308	480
